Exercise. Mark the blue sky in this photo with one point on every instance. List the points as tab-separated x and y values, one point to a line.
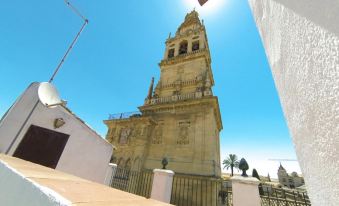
110	68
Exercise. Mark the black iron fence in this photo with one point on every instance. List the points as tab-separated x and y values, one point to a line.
190	190
280	197
200	191
136	182
124	115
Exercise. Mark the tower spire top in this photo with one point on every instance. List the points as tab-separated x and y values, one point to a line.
191	18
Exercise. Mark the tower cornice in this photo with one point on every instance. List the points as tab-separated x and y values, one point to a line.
172	107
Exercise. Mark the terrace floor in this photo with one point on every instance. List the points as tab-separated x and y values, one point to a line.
77	191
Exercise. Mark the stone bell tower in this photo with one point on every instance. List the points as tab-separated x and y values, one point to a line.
182	115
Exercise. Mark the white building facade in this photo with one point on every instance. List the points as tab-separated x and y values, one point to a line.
53	137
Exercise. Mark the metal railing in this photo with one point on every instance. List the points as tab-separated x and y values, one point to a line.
174	98
135	182
124	115
183	83
199	191
279	197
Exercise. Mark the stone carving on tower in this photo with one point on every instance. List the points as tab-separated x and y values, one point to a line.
180	118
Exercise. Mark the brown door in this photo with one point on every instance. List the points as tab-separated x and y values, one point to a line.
42	146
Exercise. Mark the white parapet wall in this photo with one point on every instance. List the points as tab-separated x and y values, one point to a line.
245	191
301	39
23	183
112	168
17	190
162	185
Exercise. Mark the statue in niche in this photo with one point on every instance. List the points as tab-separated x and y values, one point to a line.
124	134
183	133
157	137
143	130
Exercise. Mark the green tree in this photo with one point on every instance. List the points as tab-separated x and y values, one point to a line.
255	174
231	162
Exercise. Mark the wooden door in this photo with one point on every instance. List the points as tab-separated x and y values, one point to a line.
42	146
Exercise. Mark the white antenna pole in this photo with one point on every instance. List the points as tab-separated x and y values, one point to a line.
55	72
73	42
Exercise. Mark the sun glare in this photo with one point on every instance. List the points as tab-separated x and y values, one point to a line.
210	7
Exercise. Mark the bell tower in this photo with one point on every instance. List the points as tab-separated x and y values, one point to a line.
183	104
180	118
186	65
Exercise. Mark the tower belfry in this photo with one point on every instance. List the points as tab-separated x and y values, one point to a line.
180	118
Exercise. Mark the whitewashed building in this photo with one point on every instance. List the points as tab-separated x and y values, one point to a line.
51	135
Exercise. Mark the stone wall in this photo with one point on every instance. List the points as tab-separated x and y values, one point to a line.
301	39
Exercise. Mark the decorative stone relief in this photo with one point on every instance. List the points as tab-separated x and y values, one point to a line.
208	85
200	85
136	131
157	137
183	138
111	134
124	134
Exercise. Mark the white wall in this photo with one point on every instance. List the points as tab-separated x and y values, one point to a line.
15	190
86	154
301	39
245	191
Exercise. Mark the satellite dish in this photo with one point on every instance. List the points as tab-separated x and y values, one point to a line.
48	94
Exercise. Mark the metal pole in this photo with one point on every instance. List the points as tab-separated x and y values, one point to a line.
73	42
55	72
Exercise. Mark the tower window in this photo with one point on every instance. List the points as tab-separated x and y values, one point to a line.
195	46
183	47
170	53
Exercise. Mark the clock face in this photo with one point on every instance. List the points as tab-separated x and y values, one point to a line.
125	132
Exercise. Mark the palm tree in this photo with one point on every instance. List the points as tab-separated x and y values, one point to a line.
231	162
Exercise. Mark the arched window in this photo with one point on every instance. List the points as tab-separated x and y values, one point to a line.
195	46
170	53
183	47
